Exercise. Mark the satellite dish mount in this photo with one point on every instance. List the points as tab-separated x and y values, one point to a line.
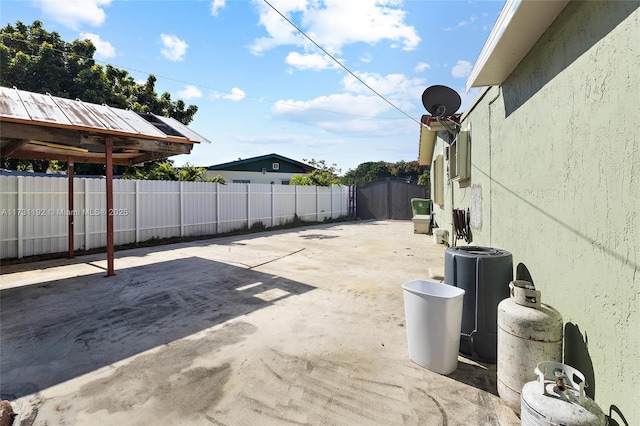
442	102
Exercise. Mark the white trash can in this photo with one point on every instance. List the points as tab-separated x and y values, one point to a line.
433	313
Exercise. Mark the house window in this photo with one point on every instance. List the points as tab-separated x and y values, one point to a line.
275	166
241	181
437	174
453	159
284	182
459	158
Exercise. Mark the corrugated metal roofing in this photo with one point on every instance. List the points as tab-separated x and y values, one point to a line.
21	106
38	107
11	104
37	126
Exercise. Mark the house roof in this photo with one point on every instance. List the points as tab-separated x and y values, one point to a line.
246	163
518	28
36	126
428	130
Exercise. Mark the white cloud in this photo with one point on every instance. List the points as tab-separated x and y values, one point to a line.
366	58
280	32
174	48
339	106
421	66
217	5
190	92
74	13
314	61
472	20
343	114
285	138
104	49
358	112
461	69
404	92
335	23
235	95
469	21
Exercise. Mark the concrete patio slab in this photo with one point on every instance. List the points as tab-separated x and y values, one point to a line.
303	326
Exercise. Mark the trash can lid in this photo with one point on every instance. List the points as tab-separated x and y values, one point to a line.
477	251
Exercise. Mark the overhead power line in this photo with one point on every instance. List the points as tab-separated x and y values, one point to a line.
340	63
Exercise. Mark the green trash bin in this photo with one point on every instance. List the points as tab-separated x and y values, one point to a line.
421	206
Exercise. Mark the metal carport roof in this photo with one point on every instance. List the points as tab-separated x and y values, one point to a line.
34	126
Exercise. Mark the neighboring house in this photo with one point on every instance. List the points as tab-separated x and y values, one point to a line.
548	164
269	169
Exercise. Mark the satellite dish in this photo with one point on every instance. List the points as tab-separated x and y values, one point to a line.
441	101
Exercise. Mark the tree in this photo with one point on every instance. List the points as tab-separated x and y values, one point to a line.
367	172
15	164
410	170
300	180
424	178
36	60
323	175
165	170
191	173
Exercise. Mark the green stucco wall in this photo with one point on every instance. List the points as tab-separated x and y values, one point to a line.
555	180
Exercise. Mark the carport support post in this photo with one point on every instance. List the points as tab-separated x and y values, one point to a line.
109	172
70	213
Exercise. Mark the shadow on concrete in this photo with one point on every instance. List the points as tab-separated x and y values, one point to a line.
480	375
52	260
59	330
317	236
576	354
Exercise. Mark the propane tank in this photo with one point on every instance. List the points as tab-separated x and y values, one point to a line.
558	398
528	332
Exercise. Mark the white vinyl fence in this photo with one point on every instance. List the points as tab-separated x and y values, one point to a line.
34	211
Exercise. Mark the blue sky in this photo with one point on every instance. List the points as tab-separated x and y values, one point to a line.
261	87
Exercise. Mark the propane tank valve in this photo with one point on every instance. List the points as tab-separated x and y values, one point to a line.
560	376
558	398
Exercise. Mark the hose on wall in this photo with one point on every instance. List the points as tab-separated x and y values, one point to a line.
461	227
